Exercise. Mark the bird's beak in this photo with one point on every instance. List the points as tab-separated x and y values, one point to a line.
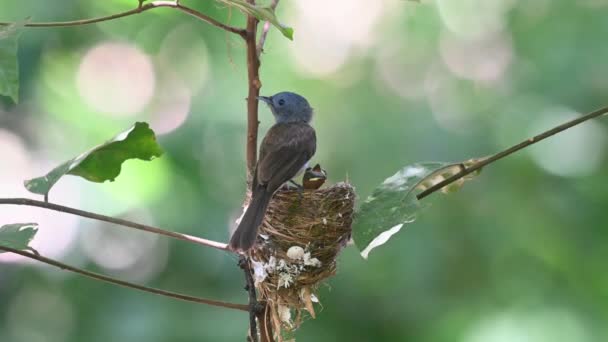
267	99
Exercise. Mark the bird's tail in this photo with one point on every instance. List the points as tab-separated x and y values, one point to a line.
244	236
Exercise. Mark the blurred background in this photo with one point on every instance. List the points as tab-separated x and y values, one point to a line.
519	254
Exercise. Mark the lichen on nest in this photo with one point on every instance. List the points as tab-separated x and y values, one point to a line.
299	241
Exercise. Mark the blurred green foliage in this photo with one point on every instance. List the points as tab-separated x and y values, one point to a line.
9	64
517	255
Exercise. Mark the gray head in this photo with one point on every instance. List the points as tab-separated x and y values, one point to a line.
288	107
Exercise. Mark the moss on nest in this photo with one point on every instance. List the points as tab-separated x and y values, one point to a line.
313	226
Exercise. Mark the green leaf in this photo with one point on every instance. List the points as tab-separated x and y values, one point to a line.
265	13
17	235
103	162
394	204
9	65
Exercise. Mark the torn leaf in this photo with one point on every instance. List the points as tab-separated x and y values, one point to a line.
103	162
17	235
393	204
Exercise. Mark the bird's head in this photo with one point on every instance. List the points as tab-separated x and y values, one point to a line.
288	107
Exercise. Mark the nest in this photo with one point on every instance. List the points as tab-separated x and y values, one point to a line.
299	241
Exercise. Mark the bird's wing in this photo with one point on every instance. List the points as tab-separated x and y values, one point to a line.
285	150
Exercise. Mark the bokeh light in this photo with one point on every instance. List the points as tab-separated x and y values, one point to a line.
184	54
326	36
116	78
57	231
132	255
485	59
170	107
474	18
574	153
401	72
38	314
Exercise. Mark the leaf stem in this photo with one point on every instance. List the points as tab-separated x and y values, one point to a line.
123	283
510	150
260	47
117	221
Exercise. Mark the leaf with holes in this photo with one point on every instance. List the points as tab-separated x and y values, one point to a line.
264	13
17	235
9	65
103	162
394	204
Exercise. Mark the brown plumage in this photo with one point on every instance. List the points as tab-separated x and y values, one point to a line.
284	152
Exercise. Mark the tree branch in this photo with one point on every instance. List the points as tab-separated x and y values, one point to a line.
253	66
510	150
141	8
264	34
118	221
253	300
114	281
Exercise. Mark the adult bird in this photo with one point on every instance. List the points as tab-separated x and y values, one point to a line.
285	151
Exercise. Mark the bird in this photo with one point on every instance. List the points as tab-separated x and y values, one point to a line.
314	177
285	151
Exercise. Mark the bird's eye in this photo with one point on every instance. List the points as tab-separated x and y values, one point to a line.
281	102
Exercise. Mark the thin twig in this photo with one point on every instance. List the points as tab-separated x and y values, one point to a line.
114	281
253	299
118	221
260	47
253	66
511	150
195	13
140	8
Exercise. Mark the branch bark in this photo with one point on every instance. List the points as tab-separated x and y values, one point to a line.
253	67
256	310
122	283
117	221
511	150
139	9
253	300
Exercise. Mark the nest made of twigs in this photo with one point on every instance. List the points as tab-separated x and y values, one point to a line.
299	240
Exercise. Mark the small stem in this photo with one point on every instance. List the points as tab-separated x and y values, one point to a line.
265	30
118	221
114	281
511	150
140	8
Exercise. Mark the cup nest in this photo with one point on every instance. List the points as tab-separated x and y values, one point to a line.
298	243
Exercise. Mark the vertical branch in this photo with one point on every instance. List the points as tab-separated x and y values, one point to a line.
257	310
265	327
253	300
253	66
